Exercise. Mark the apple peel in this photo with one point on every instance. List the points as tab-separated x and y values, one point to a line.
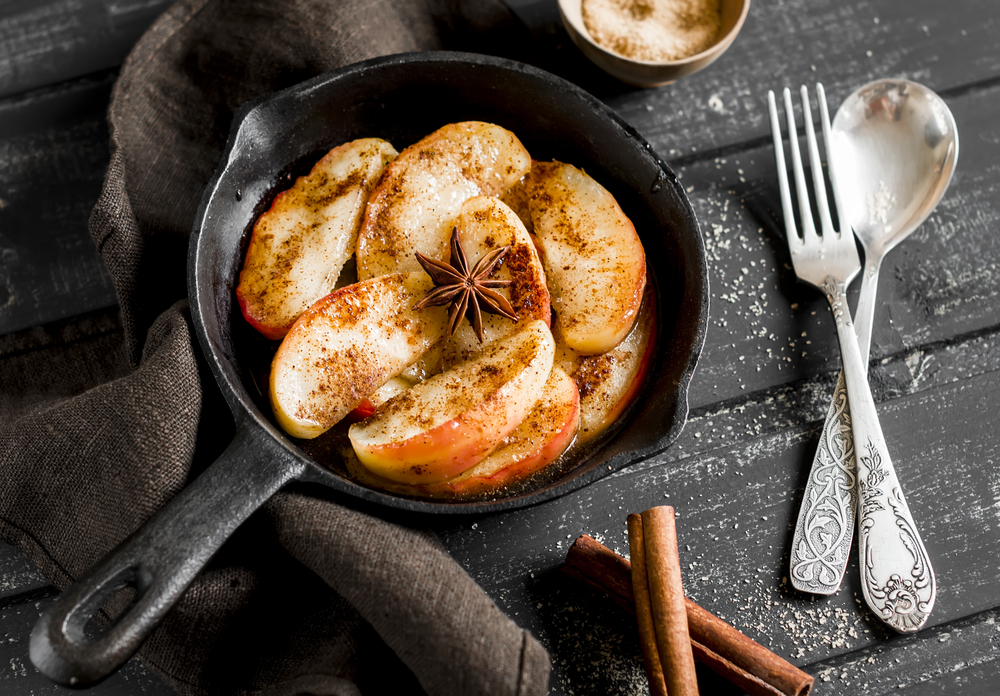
593	258
545	433
299	246
346	346
448	423
414	206
609	382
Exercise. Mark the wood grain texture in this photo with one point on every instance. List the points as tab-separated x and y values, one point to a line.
19	676
44	42
961	658
53	156
20	581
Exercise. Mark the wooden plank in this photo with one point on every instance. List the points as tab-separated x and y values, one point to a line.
43	42
18	675
959	658
19	579
53	156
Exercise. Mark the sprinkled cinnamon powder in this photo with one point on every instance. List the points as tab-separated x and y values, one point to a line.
653	30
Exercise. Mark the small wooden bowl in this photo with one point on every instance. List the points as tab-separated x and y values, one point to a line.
642	73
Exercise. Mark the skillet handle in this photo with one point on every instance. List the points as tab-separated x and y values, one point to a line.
159	561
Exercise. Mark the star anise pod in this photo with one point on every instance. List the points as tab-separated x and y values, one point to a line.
469	292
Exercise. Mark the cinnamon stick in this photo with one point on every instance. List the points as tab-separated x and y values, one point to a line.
714	643
663	567
644	609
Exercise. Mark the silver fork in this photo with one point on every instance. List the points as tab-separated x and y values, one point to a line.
896	575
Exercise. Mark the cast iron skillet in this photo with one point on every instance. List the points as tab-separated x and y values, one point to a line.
400	98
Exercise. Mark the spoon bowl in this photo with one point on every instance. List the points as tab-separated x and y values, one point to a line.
900	143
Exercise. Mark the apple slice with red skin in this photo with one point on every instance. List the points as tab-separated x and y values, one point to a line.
609	382
484	224
347	345
544	434
395	385
593	258
427	365
414	206
299	246
446	424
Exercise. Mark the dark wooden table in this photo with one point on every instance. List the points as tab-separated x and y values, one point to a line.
760	392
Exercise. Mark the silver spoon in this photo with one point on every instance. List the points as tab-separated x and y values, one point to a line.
894	145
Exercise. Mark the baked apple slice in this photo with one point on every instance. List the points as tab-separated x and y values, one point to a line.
346	346
542	436
395	385
593	259
609	382
446	424
299	246
414	206
516	198
485	224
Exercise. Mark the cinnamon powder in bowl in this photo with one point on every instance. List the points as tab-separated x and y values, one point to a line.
648	43
653	30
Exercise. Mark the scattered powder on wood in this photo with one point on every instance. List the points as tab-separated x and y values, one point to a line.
653	30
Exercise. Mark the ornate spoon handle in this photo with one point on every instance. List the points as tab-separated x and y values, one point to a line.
821	544
896	575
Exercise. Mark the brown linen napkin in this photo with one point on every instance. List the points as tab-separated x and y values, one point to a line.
103	423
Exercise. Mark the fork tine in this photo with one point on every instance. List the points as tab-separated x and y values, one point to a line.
779	156
834	184
819	184
805	209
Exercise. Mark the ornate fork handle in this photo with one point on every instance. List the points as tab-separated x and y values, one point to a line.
821	543
896	575
824	530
